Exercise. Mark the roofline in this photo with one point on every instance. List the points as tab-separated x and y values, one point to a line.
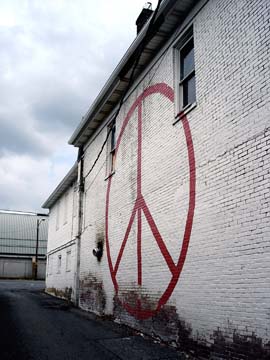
114	79
61	187
20	212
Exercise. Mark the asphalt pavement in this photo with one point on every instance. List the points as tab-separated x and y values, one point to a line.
37	326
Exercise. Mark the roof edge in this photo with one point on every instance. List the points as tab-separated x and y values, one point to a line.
115	76
21	212
61	187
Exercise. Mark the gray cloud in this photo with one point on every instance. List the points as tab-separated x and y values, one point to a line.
19	140
59	114
55	57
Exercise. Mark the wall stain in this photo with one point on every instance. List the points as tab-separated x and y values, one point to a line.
167	326
99	245
61	293
162	326
92	295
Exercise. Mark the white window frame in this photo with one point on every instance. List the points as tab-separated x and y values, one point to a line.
57	220
183	41
66	208
111	147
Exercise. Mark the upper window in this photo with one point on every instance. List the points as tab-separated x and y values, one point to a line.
185	71
187	74
111	149
66	208
57	214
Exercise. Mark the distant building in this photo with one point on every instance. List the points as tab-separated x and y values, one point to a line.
22	235
172	203
61	254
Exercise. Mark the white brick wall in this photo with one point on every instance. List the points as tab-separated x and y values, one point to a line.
223	293
61	240
60	280
58	236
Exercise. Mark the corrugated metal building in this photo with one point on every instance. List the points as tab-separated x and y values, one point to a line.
23	235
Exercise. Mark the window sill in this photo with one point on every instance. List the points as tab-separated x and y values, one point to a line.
111	174
184	112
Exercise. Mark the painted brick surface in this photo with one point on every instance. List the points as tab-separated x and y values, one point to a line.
217	298
60	279
63	230
62	242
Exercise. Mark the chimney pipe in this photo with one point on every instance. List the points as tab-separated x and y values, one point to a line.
144	16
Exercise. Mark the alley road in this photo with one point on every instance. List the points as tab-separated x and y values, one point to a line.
36	326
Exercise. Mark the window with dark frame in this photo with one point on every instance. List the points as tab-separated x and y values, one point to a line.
111	149
184	67
187	74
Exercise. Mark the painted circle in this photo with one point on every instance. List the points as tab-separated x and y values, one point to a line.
139	313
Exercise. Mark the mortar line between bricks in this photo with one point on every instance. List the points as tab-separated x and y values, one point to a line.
198	167
233	148
131	203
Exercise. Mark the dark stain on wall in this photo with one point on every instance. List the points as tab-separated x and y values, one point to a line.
98	251
168	326
64	294
163	325
247	347
92	295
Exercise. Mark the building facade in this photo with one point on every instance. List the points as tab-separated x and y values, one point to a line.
173	188
61	251
23	236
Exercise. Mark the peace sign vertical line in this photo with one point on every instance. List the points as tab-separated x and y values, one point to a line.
139	195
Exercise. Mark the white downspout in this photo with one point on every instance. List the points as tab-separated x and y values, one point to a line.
79	228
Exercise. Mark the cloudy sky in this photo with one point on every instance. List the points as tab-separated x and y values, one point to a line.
55	56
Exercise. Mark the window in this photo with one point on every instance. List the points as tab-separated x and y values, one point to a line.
185	71
59	264
75	200
68	261
57	215
187	77
65	208
111	149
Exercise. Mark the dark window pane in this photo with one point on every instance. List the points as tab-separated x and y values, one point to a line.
187	61
112	161
113	137
189	91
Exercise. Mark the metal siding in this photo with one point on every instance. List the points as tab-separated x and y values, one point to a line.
18	234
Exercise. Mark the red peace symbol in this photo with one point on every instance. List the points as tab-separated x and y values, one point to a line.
141	206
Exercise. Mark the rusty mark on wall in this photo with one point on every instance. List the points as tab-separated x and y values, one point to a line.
92	295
